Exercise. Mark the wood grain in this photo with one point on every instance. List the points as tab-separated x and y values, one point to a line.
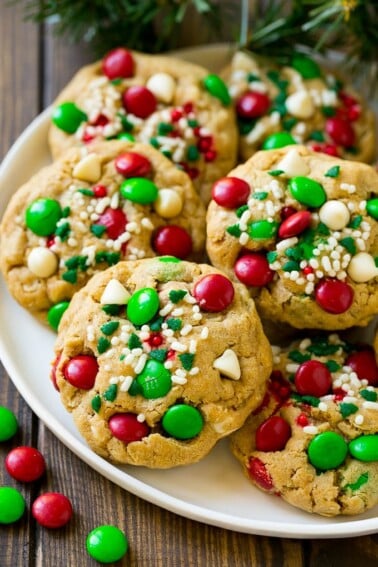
35	66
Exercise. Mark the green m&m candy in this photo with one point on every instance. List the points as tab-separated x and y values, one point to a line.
55	313
327	451
107	544
139	190
143	306
216	87
307	191
126	136
372	208
305	66
8	424
182	421
262	229
278	140
154	380
365	448
68	117
12	505
169	259
42	215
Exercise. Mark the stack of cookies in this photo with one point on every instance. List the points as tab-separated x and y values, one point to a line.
165	262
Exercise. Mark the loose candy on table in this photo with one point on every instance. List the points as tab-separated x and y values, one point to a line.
12	505
8	424
25	464
52	510
107	544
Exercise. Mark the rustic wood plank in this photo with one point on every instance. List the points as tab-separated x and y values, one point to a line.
347	552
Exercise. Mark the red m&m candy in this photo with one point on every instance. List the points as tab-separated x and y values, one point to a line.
132	164
257	471
118	63
364	365
52	510
172	240
252	105
25	464
273	434
313	379
139	101
294	224
334	296
115	222
253	269
230	192
214	292
81	371
341	131
127	428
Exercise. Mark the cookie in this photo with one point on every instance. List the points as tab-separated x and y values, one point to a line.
300	103
314	440
300	229
158	381
90	209
178	107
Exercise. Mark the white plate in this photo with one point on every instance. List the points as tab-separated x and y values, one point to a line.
213	491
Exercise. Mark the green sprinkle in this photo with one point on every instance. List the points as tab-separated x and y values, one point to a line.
167	153
103	344
271	257
376	262
159	354
134	389
347	409
333	171
111	393
193	123
70	276
155	324
97	229
187	360
234	230
66	212
275	172
294	253
291	266
126	125
310	400
174	324
349	243
87	192
245	126
260	195
109	327
317	135
96	403
352	150
323	229
63	231
112	309
117	81
169	259
154	142
113	258
241	210
355	221
320	347
289	123
362	479
192	153
77	262
298	356
134	341
332	365
164	128
328	111
369	395
176	295
252	77
275	77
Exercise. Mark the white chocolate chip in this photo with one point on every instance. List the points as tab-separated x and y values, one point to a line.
115	293
362	268
334	214
88	168
293	164
42	262
163	86
300	104
168	203
228	364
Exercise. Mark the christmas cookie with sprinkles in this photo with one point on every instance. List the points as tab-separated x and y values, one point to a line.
89	210
300	229
314	439
298	103
179	108
159	359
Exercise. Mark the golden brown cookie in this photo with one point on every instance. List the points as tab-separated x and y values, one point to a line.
159	359
176	106
300	103
90	209
300	229
314	440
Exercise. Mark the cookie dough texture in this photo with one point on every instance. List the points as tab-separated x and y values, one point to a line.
352	487
97	96
300	106
79	251
223	402
313	255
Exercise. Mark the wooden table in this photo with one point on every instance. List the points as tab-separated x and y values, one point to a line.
34	66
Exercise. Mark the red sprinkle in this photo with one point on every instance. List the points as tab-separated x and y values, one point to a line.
347	99
52	510
287	212
273	434
257	471
176	114
101	120
139	101
230	192
294	224
99	191
25	464
214	292
155	339
339	394
132	164
115	222
126	427
364	365
50	241
188	107
118	63
253	269
329	149
87	137
308	270
313	379
302	420
334	296
172	240
252	105
81	371
204	144
210	155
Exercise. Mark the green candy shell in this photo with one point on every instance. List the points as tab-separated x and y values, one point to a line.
216	87
42	215
107	544
126	136
8	424
372	208
307	191
139	190
143	306
68	117
278	140
154	380
55	313
12	505
327	451
365	448
306	67
182	421
262	229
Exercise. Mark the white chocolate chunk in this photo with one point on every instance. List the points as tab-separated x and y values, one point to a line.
362	268
334	214
42	262
114	293
293	164
228	364
163	86
243	62
88	168
300	104
168	203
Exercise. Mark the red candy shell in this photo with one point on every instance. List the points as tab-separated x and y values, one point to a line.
52	510
252	105
214	292
115	221
334	296
341	131
131	164
273	434
172	240
139	101
294	224
257	471
253	269
81	371
126	427
118	63
25	464
230	192
364	365
313	379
